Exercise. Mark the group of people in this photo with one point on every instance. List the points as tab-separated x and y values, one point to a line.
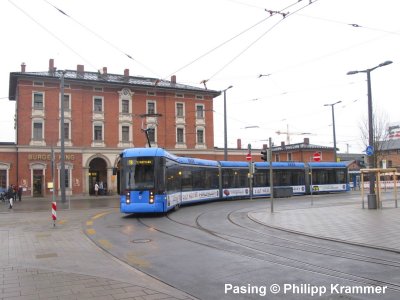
12	193
99	188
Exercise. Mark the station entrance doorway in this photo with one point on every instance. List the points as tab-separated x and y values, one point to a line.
37	184
98	173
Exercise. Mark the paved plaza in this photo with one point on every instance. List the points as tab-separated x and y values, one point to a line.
42	261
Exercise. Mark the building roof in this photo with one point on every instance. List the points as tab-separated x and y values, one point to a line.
351	156
393	144
300	146
110	79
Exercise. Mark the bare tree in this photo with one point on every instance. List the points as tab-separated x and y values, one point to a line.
380	121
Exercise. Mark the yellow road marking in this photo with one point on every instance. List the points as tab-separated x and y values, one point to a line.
105	244
133	259
90	231
89	223
100	215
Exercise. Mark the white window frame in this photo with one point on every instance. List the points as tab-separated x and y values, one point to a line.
37	121
102	104
197	136
33	100
183	110
183	135
289	156
147	106
96	124
203	111
61	102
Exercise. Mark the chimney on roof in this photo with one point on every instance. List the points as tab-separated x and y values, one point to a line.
239	144
173	79
23	67
126	73
306	141
104	71
265	146
282	144
80	70
52	69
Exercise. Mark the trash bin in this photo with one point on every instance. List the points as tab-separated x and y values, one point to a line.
372	201
283	192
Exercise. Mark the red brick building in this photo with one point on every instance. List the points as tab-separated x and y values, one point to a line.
104	114
303	152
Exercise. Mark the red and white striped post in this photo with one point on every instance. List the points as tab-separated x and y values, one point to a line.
54	212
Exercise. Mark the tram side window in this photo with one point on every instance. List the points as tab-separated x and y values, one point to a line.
282	178
212	179
234	178
199	177
187	179
261	178
324	176
341	176
318	177
173	178
298	177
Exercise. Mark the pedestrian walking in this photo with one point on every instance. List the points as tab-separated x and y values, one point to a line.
96	188
10	196
15	190
19	193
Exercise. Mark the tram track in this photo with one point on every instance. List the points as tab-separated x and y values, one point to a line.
269	256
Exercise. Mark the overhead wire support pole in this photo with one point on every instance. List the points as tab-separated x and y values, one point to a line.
271	176
225	126
332	105
62	136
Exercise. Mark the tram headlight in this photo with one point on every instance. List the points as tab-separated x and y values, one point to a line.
128	198
151	198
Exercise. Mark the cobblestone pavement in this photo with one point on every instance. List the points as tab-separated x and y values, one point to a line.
377	228
42	261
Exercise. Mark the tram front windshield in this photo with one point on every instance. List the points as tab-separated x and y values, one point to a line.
139	173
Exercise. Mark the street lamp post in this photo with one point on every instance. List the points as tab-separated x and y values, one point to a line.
332	105
371	159
225	126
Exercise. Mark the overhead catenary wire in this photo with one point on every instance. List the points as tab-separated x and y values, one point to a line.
227	41
355	25
259	38
129	56
52	34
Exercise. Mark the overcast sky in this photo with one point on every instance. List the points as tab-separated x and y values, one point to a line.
305	55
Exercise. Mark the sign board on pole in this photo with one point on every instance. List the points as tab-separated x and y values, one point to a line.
248	156
317	156
369	151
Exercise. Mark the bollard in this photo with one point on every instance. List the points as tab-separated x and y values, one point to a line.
54	212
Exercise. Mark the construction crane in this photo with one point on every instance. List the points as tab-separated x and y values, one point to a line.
288	133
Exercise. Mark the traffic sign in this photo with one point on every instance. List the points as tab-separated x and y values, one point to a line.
369	150
248	156
317	156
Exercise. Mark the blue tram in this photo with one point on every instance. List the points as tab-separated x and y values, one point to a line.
154	180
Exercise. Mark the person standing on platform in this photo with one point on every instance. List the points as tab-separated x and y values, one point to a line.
10	196
96	188
19	193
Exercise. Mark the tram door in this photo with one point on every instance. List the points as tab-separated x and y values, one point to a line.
37	185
